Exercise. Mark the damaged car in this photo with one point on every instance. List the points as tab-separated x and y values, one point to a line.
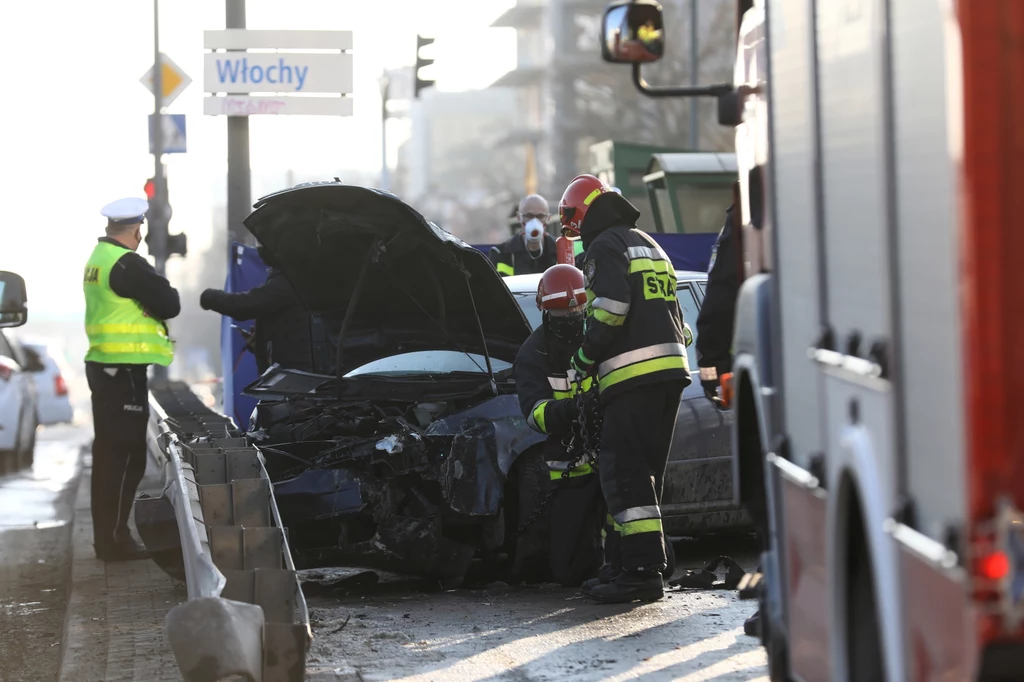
399	452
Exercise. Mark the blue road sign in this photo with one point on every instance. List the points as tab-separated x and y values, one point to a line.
173	132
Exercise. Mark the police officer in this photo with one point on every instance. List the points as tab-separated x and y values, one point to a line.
126	303
550	403
714	354
532	250
282	334
634	342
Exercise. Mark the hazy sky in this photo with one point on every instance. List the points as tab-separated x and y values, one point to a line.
73	112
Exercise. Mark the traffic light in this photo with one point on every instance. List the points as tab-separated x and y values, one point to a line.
421	83
150	189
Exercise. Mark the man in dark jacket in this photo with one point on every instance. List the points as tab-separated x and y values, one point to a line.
718	313
551	405
532	250
282	334
635	344
715	326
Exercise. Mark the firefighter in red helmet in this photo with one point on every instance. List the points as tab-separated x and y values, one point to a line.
568	530
634	343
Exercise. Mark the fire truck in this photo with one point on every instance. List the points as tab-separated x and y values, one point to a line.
876	381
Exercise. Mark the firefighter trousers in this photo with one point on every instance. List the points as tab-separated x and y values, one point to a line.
635	441
120	413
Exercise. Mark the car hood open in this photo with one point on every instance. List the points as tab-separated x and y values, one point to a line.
421	287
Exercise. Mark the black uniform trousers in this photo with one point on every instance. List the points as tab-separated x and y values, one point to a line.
569	532
120	414
635	441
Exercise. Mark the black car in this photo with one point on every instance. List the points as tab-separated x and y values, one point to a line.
401	452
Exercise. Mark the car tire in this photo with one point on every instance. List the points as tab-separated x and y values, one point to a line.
27	455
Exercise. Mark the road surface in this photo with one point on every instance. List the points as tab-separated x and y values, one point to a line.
397	630
36	509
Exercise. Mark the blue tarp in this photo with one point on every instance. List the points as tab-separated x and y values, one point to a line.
687	251
245	271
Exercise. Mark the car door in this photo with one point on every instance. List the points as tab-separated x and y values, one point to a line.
14	396
698	478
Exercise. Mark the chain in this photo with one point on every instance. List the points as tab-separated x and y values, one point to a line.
587	451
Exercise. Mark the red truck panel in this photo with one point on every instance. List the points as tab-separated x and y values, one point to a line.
992	177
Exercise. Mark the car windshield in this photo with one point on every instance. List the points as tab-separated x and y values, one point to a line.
429	362
527	300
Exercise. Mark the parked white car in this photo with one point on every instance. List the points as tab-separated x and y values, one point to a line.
49	368
18	408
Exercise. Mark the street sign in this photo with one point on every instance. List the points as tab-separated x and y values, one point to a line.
234	105
174	79
173	133
305	62
245	72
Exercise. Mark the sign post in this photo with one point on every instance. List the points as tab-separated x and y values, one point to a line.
240	84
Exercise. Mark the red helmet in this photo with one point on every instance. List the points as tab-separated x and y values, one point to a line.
576	199
562	288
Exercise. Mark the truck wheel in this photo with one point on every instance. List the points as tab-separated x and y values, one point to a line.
863	645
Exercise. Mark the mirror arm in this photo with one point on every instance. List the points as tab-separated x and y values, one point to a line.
673	91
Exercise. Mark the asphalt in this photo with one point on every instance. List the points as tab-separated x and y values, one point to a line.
399	629
36	513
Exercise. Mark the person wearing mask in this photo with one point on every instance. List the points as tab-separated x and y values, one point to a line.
532	250
551	405
126	305
634	343
282	333
714	355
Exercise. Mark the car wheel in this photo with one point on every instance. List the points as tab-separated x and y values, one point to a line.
27	456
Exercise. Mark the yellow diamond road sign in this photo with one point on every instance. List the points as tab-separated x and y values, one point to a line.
174	79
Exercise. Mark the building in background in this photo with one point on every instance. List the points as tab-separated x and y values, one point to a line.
452	170
570	99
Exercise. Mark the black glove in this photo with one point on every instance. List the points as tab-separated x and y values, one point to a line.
710	389
206	298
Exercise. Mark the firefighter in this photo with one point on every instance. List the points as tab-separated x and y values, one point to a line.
714	355
126	303
282	327
634	343
532	250
550	403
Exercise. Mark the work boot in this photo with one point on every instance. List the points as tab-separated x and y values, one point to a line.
630	586
123	549
752	625
605	575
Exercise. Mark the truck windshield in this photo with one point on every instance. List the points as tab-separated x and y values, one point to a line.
702	207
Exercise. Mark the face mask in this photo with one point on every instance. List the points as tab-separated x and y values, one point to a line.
567	329
533	233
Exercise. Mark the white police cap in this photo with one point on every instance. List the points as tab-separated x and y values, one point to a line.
126	211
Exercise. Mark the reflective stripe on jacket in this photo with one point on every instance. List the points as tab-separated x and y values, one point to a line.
634	331
120	331
546	396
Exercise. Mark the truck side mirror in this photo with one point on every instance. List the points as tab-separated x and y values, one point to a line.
13	300
633	33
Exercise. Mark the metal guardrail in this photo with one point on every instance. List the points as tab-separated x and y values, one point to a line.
234	548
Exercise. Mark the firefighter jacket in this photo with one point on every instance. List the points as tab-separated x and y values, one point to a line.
633	334
513	258
546	396
718	314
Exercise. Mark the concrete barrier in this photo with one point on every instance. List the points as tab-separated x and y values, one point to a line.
246	615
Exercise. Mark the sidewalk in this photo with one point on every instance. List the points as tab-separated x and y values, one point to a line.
114	627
